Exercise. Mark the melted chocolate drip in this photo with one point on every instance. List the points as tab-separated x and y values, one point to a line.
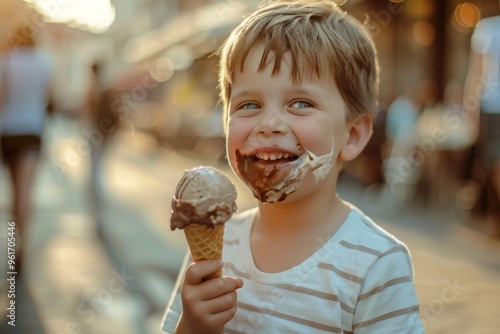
266	181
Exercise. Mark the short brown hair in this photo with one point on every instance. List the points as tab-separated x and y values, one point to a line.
321	38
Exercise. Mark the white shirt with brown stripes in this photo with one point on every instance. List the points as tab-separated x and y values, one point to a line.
358	281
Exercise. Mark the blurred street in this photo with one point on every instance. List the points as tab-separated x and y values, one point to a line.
79	280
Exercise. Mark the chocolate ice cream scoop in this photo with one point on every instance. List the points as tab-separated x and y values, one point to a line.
204	196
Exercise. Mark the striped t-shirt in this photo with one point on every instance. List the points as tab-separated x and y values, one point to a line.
358	281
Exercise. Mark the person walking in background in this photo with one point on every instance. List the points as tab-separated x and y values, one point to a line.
96	112
400	175
400	130
482	105
26	77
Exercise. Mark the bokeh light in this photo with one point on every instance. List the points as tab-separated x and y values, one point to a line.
465	17
424	33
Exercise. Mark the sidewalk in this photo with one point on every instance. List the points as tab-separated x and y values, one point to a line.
121	282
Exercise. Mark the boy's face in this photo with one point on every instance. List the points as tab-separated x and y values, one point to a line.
281	132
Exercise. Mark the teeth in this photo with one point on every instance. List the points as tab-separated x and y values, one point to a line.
263	156
272	156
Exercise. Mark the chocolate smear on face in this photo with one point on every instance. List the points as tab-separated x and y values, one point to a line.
271	183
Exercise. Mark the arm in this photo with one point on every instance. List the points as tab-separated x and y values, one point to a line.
473	88
387	300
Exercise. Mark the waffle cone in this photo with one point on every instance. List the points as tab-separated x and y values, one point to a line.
205	243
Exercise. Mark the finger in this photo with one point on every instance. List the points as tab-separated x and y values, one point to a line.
211	289
222	285
221	303
197	270
223	317
238	282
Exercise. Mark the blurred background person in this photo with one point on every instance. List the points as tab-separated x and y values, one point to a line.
400	176
100	123
446	136
482	103
26	81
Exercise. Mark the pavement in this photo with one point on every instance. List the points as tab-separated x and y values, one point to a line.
113	273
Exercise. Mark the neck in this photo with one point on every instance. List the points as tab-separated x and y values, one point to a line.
285	235
308	217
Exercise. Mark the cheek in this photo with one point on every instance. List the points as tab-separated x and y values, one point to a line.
315	137
235	140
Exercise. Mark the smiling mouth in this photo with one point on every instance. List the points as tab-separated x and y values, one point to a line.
272	176
272	158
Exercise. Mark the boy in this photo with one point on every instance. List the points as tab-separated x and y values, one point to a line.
299	84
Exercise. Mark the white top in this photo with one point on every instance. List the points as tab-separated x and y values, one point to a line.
28	73
358	281
401	120
486	41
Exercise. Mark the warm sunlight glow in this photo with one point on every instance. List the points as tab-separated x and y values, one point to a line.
93	15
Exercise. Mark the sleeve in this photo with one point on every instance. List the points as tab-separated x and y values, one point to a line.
174	307
387	301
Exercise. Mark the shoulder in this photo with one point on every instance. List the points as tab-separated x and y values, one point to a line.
38	58
484	32
362	244
489	23
368	235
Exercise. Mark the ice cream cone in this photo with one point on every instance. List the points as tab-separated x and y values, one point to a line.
205	243
204	200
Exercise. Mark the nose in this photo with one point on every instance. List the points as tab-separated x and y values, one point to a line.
271	122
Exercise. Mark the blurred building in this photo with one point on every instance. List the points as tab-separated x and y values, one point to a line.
419	41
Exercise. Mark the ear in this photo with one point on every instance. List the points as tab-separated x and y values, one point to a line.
359	133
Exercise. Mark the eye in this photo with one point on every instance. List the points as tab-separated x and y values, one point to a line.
249	106
301	105
245	109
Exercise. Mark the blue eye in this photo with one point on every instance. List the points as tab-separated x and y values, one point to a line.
301	105
249	106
